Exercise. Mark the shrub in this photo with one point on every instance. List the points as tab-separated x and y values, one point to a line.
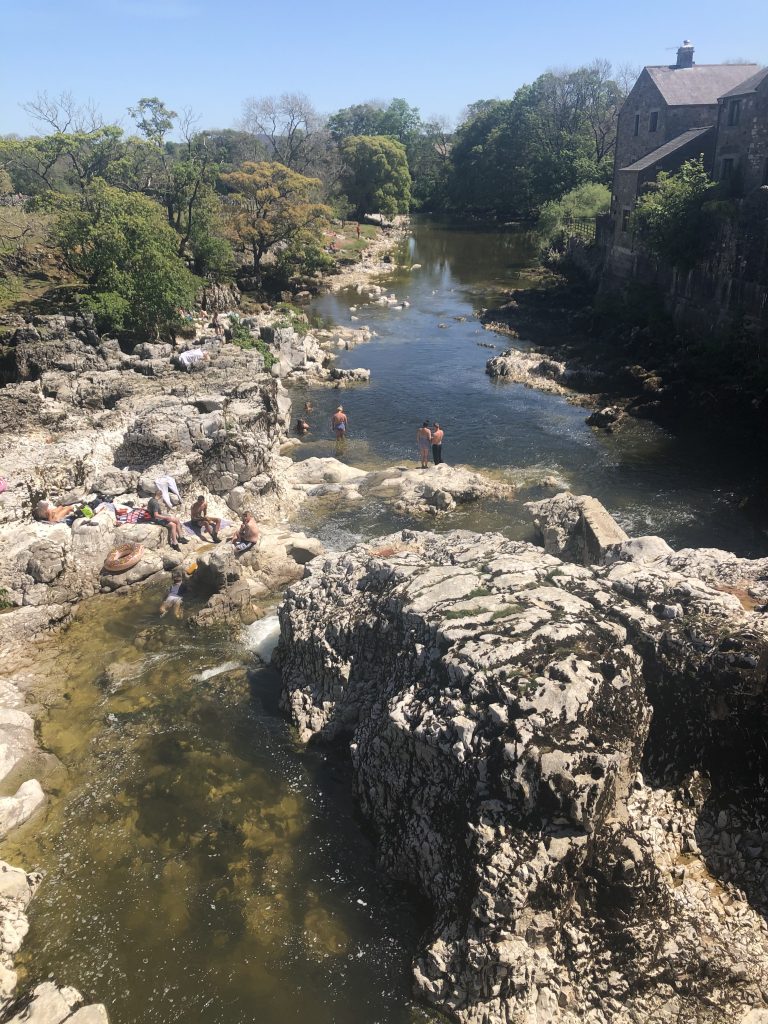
242	337
670	219
585	202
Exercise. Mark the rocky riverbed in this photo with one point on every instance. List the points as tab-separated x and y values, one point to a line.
560	744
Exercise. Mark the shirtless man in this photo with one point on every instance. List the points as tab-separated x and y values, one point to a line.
204	522
339	423
437	443
248	534
424	440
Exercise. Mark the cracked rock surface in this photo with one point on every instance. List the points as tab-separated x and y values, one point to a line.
498	705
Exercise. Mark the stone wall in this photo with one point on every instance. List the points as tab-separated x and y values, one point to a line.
727	290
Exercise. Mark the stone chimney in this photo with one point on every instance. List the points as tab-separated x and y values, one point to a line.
685	55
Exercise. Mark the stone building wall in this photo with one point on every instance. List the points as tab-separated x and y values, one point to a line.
746	143
727	290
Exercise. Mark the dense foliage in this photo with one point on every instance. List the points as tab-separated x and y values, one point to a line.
255	202
376	175
582	203
272	204
510	157
671	219
120	244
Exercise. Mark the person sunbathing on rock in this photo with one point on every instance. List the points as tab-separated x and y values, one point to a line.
248	534
47	512
172	523
204	522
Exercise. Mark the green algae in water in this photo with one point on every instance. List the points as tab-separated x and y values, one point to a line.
200	865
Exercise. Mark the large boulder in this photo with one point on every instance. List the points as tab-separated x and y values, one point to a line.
576	527
497	706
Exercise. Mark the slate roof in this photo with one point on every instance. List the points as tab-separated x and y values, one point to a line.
750	85
667	149
700	85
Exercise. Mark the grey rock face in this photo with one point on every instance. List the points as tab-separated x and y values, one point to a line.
497	703
575	527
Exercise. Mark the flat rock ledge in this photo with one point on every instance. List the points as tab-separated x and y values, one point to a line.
500	706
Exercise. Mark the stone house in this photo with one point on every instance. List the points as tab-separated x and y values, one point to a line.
671	115
742	135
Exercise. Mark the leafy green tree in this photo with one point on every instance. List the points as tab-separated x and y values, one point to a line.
510	157
671	220
376	176
359	119
271	204
153	119
120	243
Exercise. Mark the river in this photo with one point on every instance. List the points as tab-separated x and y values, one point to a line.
685	489
201	865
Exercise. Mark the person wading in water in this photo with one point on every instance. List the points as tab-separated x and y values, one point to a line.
339	423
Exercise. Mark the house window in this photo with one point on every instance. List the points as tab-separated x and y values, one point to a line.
726	168
734	112
653	121
637	124
626	213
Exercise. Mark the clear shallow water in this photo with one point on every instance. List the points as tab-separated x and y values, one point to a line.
200	865
684	489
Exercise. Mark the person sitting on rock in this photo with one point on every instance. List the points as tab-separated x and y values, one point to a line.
204	522
47	512
175	597
172	523
248	534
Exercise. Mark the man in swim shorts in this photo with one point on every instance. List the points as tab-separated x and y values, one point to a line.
339	422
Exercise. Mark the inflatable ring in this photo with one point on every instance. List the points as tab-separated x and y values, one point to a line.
123	558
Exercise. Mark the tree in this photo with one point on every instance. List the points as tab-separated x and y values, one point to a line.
120	243
670	218
271	204
512	156
153	119
287	127
376	175
359	119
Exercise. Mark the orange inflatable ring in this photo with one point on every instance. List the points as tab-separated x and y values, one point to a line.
123	558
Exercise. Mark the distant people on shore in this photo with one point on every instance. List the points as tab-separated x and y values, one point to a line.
424	440
437	443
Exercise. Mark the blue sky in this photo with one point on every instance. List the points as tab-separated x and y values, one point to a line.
440	56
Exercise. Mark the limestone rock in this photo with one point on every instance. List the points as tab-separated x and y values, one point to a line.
497	705
575	527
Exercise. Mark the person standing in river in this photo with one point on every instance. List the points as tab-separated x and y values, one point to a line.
423	440
437	443
339	424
